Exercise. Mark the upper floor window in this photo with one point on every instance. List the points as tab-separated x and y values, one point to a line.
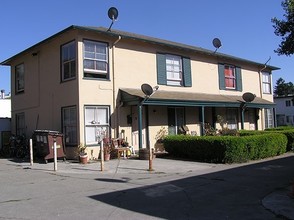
68	60
266	83
69	124
95	60
19	78
288	103
173	70
230	77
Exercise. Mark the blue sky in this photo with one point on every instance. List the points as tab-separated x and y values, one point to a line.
244	27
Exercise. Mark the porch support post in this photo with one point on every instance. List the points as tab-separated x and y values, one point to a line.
140	125
242	118
202	121
274	118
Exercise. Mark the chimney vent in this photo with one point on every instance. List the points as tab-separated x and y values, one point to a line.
2	94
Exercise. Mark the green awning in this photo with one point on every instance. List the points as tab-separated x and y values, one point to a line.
173	98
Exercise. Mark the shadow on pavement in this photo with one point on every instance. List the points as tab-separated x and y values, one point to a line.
230	194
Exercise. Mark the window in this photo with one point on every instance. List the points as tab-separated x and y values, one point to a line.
232	114
176	119
95	59
269	122
230	77
20	123
173	70
288	103
68	56
19	78
69	125
266	83
281	120
288	119
96	123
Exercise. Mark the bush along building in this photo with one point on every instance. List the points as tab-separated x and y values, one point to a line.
86	83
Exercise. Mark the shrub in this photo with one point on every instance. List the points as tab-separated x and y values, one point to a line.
226	149
280	128
286	130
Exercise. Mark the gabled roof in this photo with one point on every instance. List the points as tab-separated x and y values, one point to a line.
173	98
147	39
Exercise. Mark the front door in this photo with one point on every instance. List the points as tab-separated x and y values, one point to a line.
135	132
176	119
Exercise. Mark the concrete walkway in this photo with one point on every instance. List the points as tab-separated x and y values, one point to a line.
174	190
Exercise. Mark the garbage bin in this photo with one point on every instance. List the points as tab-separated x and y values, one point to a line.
44	142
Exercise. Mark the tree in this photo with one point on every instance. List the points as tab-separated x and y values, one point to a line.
282	88
285	29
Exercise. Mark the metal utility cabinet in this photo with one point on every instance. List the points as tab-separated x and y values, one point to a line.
44	142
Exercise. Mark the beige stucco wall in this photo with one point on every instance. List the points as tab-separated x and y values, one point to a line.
44	94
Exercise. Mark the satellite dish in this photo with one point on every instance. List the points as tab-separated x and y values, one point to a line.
146	89
216	43
248	97
112	14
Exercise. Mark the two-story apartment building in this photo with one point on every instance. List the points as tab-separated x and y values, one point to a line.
284	110
86	83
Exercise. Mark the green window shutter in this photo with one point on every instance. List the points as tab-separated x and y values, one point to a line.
221	76
238	79
161	69
187	72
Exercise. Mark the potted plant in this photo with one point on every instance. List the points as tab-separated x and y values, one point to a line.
159	139
107	152
83	157
107	148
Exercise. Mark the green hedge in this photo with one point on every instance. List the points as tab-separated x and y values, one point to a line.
226	149
280	128
286	130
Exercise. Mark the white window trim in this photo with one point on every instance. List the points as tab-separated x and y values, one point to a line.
174	80
101	129
266	83
86	70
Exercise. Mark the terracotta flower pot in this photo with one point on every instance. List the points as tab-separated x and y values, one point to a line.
106	157
83	159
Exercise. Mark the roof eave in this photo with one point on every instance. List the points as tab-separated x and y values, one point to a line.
126	35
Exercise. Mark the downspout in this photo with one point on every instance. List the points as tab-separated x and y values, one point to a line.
116	123
261	93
